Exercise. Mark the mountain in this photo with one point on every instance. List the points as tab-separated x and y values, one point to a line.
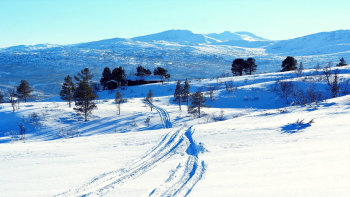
179	36
29	47
314	44
229	36
183	53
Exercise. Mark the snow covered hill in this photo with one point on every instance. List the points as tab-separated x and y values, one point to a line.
183	53
249	142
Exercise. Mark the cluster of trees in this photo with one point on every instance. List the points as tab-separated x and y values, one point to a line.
22	91
117	77
239	65
290	63
182	94
80	92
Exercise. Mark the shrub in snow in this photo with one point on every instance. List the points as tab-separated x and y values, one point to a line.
148	121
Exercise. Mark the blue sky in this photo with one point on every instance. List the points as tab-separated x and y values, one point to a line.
74	21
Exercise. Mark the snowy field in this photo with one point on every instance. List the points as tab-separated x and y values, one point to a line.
258	147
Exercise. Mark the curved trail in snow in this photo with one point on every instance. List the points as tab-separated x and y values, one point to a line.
180	181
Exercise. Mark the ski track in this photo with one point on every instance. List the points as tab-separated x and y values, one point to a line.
181	180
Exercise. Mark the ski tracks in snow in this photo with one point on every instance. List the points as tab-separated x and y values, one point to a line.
181	180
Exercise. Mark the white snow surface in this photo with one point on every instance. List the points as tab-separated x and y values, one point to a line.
254	151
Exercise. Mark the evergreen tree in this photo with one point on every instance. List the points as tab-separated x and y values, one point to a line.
1	97
197	102
161	72
84	75
238	66
118	99
288	64
118	75
186	93
106	77
24	90
342	62
149	98
178	94
68	88
250	66
141	71
84	97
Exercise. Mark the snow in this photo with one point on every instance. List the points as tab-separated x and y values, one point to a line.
183	53
258	149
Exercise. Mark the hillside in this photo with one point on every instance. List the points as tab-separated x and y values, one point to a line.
183	53
251	141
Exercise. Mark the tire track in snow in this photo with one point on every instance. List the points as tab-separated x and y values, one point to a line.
164	116
176	141
186	175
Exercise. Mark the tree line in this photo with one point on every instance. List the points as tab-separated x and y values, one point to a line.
117	77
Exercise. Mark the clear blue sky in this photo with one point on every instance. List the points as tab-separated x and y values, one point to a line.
74	21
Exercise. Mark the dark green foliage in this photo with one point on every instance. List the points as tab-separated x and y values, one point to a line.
118	100
342	62
1	97
84	75
84	97
141	71
118	75
186	92
238	66
161	72
106	76
68	88
178	93
197	102
250	66
24	90
290	63
149	98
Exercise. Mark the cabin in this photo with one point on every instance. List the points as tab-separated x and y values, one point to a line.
134	81
140	80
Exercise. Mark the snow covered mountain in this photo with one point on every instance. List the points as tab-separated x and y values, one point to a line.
229	36
183	53
315	44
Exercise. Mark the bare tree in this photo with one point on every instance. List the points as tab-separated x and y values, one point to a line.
211	90
11	94
285	89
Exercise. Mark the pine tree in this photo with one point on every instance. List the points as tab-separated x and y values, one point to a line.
24	90
106	77
149	98
178	94
250	66
118	100
84	97
238	66
68	88
288	64
342	62
197	102
161	72
84	75
141	71
118	75
186	93
1	97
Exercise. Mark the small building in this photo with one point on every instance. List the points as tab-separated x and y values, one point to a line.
140	80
